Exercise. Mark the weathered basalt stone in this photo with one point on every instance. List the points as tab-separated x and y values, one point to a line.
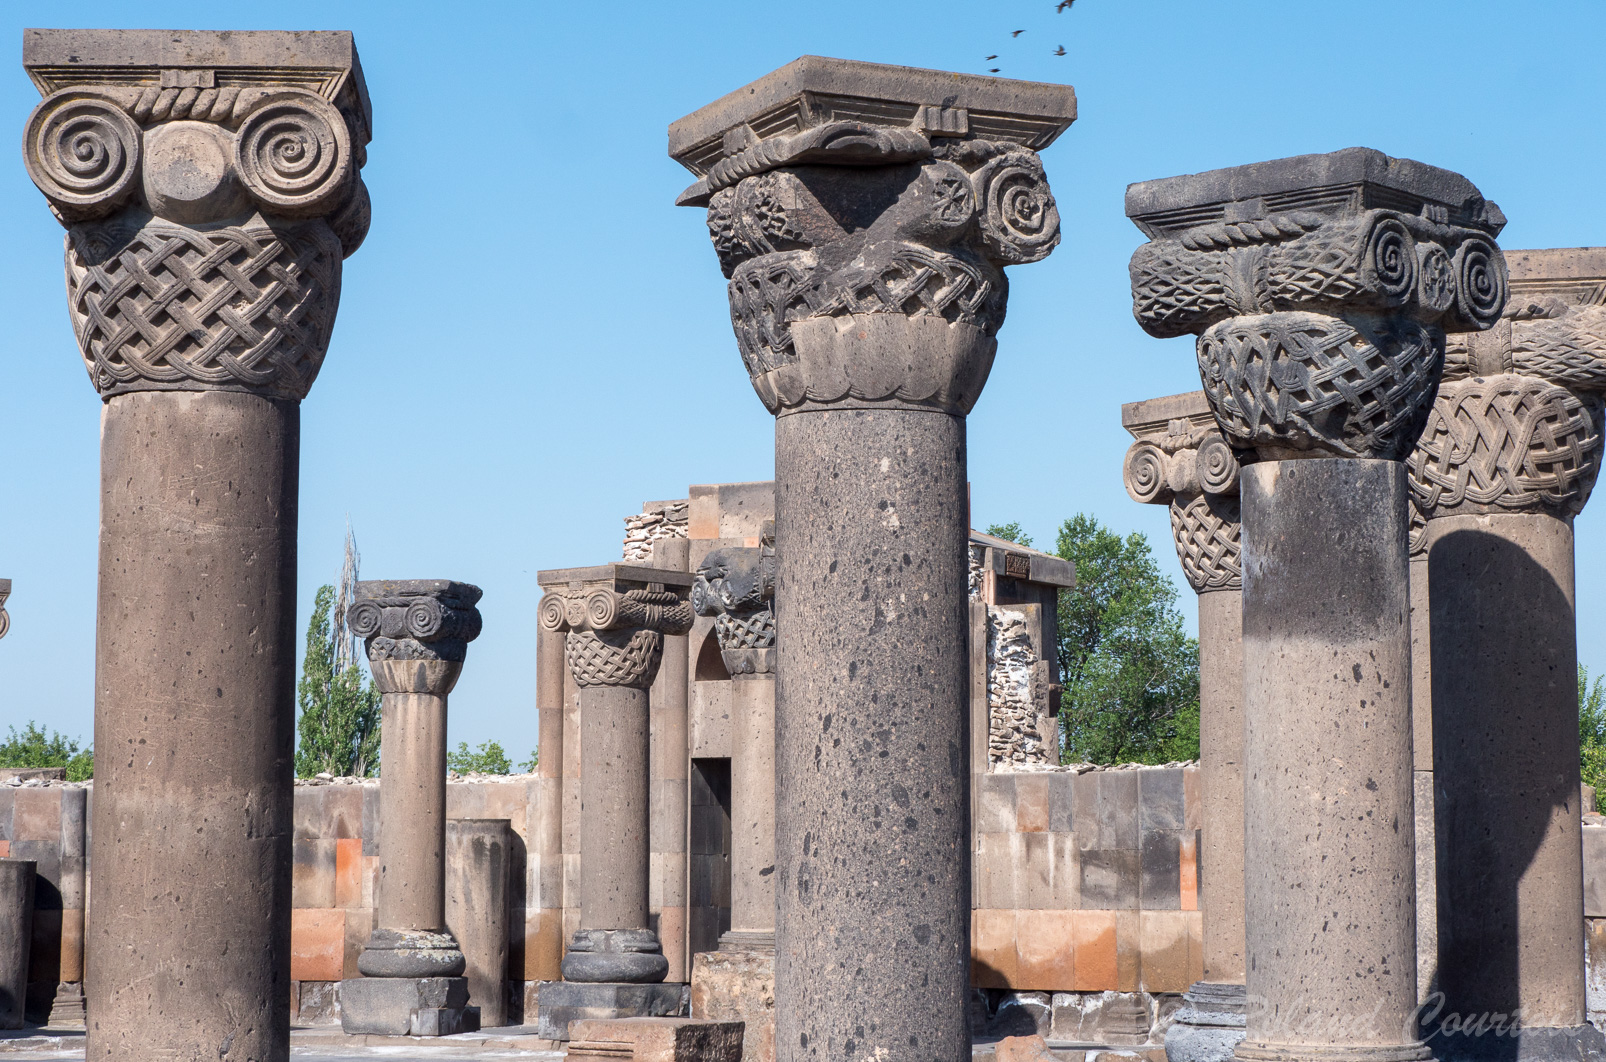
564	1002
1319	288
210	186
736	585
864	215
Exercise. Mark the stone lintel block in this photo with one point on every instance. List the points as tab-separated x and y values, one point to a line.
1346	181
812	91
1559	270
657	1040
1154	416
562	1002
407	1006
620	577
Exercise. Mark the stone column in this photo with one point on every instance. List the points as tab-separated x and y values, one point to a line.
1182	460
210	190
543	940
670	725
417	633
479	882
1510	454
736	586
1319	288
864	214
67	1008
16	938
616	617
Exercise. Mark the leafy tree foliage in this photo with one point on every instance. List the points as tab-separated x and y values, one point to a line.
487	759
1130	672
1011	531
339	725
36	747
1591	729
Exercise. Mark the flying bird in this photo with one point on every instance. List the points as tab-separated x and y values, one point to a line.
992	70
1060	50
1062	6
1017	33
990	58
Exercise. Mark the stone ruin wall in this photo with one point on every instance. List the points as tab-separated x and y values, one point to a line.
656	521
1013	737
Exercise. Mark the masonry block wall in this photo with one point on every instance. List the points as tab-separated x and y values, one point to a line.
49	824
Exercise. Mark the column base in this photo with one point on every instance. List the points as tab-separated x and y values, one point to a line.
661	1039
560	1002
411	953
1579	1043
67	1009
615	956
1209	1025
738	984
407	1006
1260	1051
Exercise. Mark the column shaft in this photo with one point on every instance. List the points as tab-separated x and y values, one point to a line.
194	721
1221	756
614	803
872	825
1505	743
1330	908
412	813
753	806
547	836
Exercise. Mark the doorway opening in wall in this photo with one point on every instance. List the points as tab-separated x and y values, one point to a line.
710	664
709	858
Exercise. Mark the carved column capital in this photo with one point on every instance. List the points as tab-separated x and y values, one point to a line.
1320	288
416	631
736	586
616	616
210	186
1517	424
5	617
863	214
1182	460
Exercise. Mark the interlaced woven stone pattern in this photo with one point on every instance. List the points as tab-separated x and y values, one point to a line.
1310	381
754	630
176	308
614	658
1208	536
1505	443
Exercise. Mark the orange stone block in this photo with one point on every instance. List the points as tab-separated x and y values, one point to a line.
317	944
1188	878
5	849
348	872
72	945
993	963
1164	941
1045	949
543	945
1093	938
1128	951
1031	803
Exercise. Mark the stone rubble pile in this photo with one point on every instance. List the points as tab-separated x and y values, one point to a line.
656	522
1012	733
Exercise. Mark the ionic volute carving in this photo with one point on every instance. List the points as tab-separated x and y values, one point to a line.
210	186
863	215
1320	289
1185	463
1517	423
615	629
5	617
736	586
416	631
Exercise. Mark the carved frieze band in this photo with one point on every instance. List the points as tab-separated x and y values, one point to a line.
206	228
614	638
736	586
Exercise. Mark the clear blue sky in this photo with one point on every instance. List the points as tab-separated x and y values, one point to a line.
534	340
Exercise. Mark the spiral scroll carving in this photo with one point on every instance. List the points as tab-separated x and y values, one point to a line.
1482	286
1144	472
83	153
293	153
415	619
1217	466
1390	260
1305	381
168	307
1506	443
1019	219
1207	532
614	658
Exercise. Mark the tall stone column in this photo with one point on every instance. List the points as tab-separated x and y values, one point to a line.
864	214
736	586
1510	454
616	617
1320	288
210	190
417	633
1182	460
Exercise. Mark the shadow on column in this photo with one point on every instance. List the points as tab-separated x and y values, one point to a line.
1505	740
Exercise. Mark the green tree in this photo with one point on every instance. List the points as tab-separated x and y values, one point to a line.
529	765
1591	728
487	759
1011	531
339	725
36	747
1130	672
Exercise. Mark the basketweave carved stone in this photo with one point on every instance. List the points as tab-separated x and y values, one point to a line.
1182	460
1319	287
863	214
210	185
615	616
736	586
